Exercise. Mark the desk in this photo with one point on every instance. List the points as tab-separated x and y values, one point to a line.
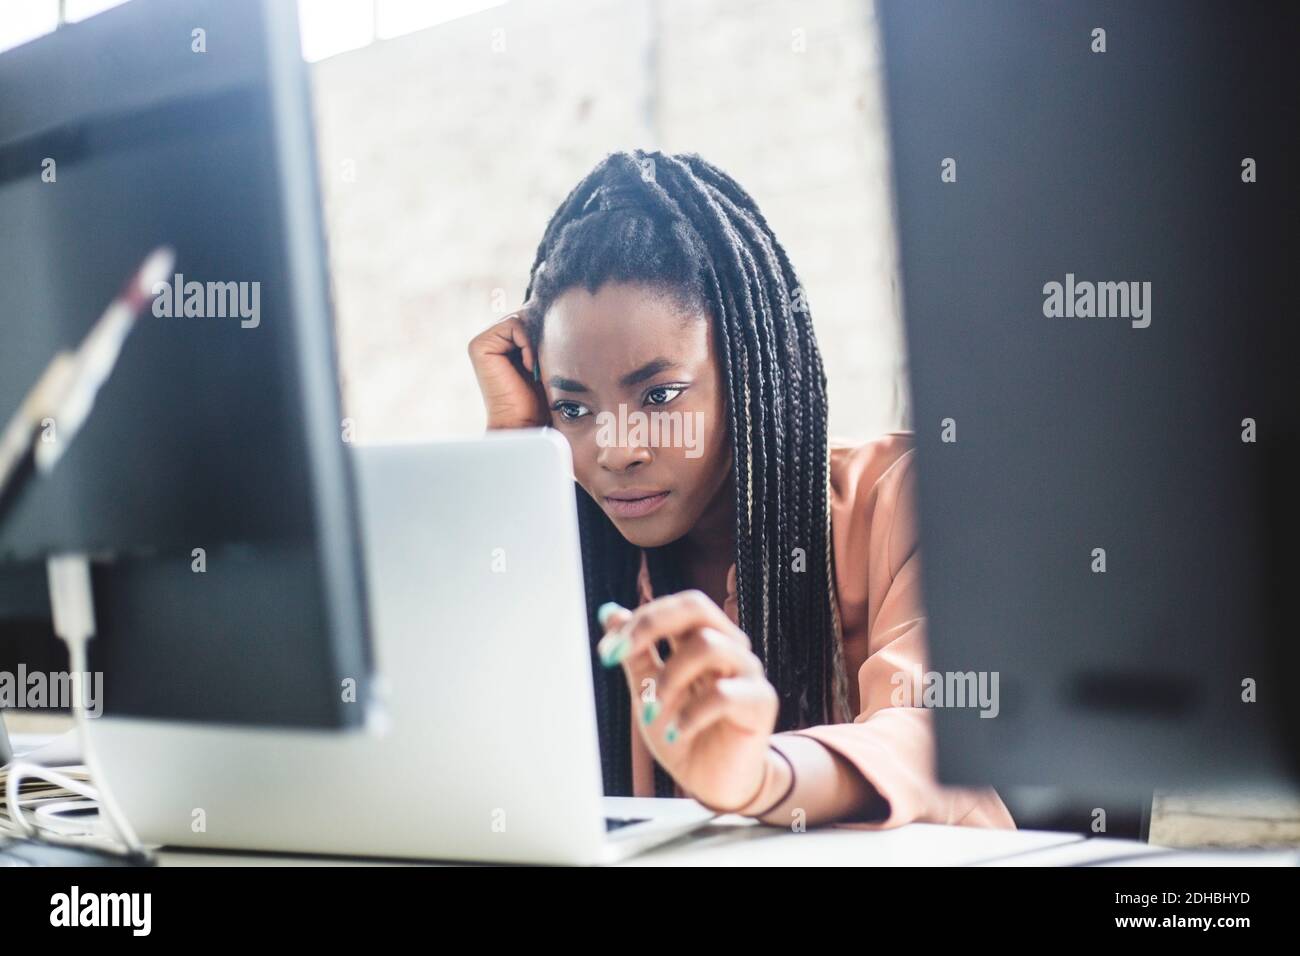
738	841
724	843
731	841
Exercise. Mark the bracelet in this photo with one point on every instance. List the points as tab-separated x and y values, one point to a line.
788	790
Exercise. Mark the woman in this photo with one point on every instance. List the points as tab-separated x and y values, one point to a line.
783	562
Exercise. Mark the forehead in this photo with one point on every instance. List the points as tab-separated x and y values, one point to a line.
619	328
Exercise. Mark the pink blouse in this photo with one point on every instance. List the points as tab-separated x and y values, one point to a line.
874	536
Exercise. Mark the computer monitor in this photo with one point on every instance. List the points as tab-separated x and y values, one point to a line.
1092	291
211	485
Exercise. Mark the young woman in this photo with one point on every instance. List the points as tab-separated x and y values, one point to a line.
773	572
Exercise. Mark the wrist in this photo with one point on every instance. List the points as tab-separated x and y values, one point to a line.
779	783
774	786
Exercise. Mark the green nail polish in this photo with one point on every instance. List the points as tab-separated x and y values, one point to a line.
605	610
537	372
670	734
615	653
649	712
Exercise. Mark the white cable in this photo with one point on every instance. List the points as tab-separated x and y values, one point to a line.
21	770
72	604
79	665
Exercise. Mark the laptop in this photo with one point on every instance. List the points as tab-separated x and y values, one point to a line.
483	746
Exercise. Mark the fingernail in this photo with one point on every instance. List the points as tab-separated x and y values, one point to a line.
649	712
670	734
537	371
605	610
613	648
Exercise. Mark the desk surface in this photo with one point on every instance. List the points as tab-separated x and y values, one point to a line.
737	841
744	843
741	842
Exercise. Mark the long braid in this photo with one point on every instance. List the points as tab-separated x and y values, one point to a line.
803	356
690	227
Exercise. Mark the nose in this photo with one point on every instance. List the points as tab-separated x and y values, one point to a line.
620	459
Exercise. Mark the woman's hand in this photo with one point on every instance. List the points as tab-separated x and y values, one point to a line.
504	364
707	713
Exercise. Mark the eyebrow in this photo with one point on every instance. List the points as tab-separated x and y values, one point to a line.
648	370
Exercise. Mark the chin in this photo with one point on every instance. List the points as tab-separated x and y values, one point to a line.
647	532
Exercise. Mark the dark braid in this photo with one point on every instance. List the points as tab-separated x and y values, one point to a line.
681	225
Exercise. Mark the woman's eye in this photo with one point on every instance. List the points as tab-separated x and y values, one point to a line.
570	410
663	394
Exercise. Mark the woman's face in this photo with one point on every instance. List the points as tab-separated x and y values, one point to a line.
633	382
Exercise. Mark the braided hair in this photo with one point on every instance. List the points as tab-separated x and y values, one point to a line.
678	224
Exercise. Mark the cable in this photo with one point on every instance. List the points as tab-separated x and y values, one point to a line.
72	603
20	770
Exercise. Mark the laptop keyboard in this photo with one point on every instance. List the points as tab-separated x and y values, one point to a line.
614	823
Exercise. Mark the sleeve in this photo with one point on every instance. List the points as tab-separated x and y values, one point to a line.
889	743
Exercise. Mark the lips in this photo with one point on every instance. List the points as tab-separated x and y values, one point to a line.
636	503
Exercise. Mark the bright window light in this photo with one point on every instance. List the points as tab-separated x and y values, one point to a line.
393	18
22	22
74	10
328	27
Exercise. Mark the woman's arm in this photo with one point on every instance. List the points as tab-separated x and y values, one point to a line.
508	372
711	718
809	784
878	770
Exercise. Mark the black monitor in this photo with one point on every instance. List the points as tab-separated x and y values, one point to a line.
1106	471
210	486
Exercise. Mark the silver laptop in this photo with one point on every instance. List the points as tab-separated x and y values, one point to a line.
484	746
